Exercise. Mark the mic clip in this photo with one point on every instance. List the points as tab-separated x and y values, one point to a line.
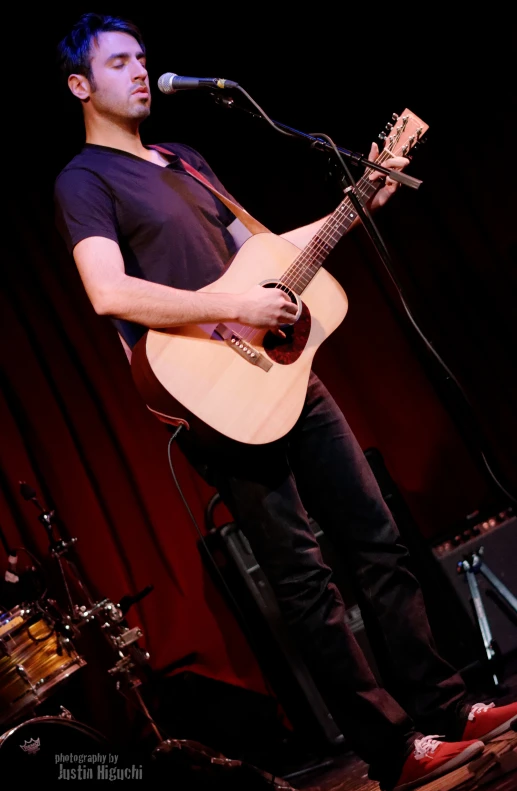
224	101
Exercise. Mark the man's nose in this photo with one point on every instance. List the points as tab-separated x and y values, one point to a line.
139	71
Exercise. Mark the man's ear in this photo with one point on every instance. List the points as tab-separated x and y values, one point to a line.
79	86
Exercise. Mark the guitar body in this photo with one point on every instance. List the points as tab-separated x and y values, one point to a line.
196	370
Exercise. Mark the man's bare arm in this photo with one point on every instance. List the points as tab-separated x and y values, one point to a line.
113	293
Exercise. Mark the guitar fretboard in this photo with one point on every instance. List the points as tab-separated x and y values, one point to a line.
311	258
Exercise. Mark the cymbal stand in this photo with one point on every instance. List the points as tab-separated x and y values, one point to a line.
57	546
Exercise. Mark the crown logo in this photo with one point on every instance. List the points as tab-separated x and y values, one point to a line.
31	747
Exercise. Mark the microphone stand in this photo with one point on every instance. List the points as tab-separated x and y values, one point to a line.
350	187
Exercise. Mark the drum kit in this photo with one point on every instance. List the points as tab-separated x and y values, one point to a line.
38	653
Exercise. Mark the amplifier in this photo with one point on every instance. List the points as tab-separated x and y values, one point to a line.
496	538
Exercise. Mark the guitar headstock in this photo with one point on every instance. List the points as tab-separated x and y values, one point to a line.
401	136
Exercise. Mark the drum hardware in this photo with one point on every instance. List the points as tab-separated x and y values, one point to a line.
25	676
28	750
111	617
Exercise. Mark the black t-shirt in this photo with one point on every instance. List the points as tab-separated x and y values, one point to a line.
170	228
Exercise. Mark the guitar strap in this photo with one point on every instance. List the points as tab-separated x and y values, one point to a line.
253	225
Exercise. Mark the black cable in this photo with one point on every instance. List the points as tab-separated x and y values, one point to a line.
264	114
453	379
246	628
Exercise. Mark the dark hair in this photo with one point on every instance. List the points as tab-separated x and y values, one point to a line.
73	52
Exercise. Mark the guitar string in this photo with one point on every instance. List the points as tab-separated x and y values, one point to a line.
319	241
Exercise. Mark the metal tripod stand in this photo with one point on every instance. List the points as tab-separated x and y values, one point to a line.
472	566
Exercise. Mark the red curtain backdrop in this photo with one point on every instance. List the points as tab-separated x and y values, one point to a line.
74	428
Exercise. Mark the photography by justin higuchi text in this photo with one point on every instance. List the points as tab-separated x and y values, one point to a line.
99	766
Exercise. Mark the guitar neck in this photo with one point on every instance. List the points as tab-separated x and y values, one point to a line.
312	257
403	137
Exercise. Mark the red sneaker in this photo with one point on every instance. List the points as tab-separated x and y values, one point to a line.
486	721
432	758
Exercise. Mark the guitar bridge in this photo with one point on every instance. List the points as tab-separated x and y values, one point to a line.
234	340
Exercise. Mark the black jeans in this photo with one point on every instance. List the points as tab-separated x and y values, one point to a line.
320	469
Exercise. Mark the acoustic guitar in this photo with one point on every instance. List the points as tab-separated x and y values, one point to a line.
246	383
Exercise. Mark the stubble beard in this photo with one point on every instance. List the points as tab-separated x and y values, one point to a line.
140	112
128	110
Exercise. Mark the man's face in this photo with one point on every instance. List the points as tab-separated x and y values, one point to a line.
119	83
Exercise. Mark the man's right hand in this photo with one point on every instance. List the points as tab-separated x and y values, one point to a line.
266	308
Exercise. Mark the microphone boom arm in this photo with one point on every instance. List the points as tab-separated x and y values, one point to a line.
318	142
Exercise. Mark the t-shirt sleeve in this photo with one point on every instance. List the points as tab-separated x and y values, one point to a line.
84	207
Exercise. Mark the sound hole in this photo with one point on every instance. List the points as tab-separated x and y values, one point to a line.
285	351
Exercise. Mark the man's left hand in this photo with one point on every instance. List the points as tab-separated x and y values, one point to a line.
390	186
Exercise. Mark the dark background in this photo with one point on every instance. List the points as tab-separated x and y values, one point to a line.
71	424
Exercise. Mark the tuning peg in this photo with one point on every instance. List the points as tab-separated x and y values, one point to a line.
415	147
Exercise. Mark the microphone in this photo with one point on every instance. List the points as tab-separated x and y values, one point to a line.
170	83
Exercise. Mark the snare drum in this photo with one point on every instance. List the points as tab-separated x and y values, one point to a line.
34	657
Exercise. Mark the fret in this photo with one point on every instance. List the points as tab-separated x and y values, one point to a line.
312	257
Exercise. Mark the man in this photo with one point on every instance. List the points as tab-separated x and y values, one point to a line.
146	235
